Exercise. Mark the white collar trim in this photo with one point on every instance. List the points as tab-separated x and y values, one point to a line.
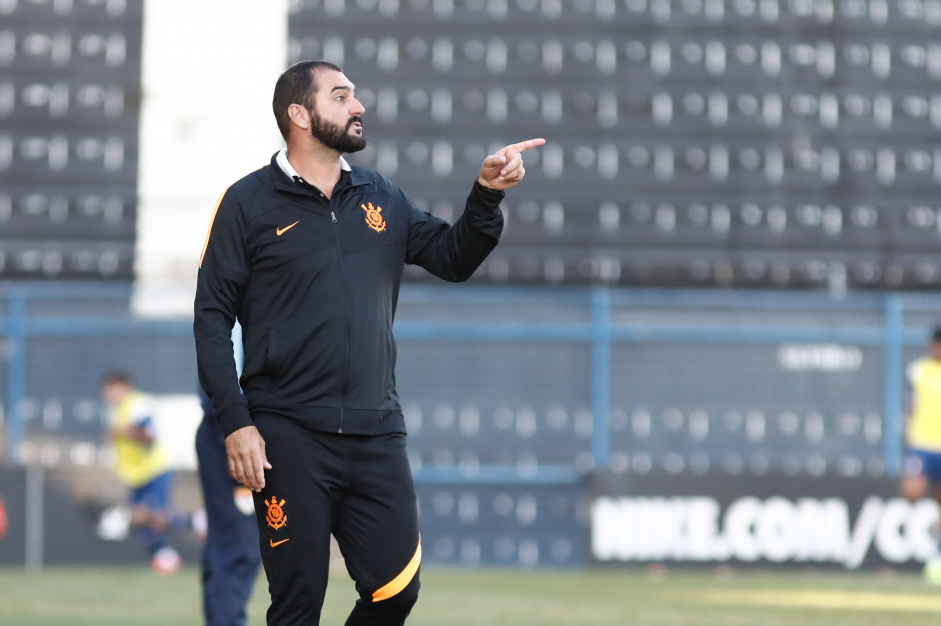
288	169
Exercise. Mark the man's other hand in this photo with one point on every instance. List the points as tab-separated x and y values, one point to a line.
247	461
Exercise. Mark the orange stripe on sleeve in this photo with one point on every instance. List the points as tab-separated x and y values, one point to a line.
209	232
401	581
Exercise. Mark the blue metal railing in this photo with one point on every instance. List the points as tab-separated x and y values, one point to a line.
892	390
602	333
598	331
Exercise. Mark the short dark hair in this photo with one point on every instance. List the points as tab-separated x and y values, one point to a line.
936	334
117	377
297	86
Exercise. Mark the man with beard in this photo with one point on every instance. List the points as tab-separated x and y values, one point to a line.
308	253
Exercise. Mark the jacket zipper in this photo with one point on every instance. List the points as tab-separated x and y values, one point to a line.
349	321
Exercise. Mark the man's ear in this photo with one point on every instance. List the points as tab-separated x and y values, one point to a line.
299	116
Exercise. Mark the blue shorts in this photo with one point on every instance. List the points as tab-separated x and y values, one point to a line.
923	463
155	495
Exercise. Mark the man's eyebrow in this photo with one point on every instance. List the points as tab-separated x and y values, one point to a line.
350	88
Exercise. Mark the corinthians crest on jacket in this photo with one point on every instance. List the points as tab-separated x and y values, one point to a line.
374	217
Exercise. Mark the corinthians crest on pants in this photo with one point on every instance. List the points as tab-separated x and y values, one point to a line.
276	516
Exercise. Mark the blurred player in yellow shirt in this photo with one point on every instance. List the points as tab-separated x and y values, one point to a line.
921	470
142	464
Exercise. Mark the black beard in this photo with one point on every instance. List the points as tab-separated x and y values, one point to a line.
334	137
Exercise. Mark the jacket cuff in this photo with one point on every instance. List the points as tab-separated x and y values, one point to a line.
234	417
486	196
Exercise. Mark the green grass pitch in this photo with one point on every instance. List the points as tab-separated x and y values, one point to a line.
455	597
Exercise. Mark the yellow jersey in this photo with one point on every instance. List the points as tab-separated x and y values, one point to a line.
137	463
924	425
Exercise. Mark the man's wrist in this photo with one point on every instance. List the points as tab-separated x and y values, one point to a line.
487	188
234	417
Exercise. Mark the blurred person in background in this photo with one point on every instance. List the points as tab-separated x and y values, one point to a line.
308	254
921	470
142	464
230	556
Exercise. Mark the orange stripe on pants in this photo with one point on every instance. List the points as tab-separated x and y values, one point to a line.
401	581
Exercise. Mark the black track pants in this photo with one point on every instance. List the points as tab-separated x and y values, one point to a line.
360	489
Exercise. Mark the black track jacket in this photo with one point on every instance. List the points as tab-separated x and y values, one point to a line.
314	284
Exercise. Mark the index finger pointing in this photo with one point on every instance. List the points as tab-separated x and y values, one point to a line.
526	145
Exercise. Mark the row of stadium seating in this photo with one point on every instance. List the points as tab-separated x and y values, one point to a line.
644	59
878	224
91	53
848	110
685	164
70	10
556	426
789	463
689	462
722	113
703	268
641	460
36	103
446	423
77	259
77	155
519	549
853	112
77	214
470	506
73	155
882	225
538	266
753	13
557	434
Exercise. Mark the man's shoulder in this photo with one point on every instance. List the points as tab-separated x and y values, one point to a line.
250	184
368	175
251	194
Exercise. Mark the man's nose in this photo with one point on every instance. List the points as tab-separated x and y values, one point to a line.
358	108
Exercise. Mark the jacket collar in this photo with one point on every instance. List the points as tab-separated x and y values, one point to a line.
283	173
281	158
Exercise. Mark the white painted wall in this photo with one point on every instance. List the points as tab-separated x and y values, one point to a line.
209	69
176	418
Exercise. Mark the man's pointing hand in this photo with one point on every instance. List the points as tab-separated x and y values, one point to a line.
504	169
